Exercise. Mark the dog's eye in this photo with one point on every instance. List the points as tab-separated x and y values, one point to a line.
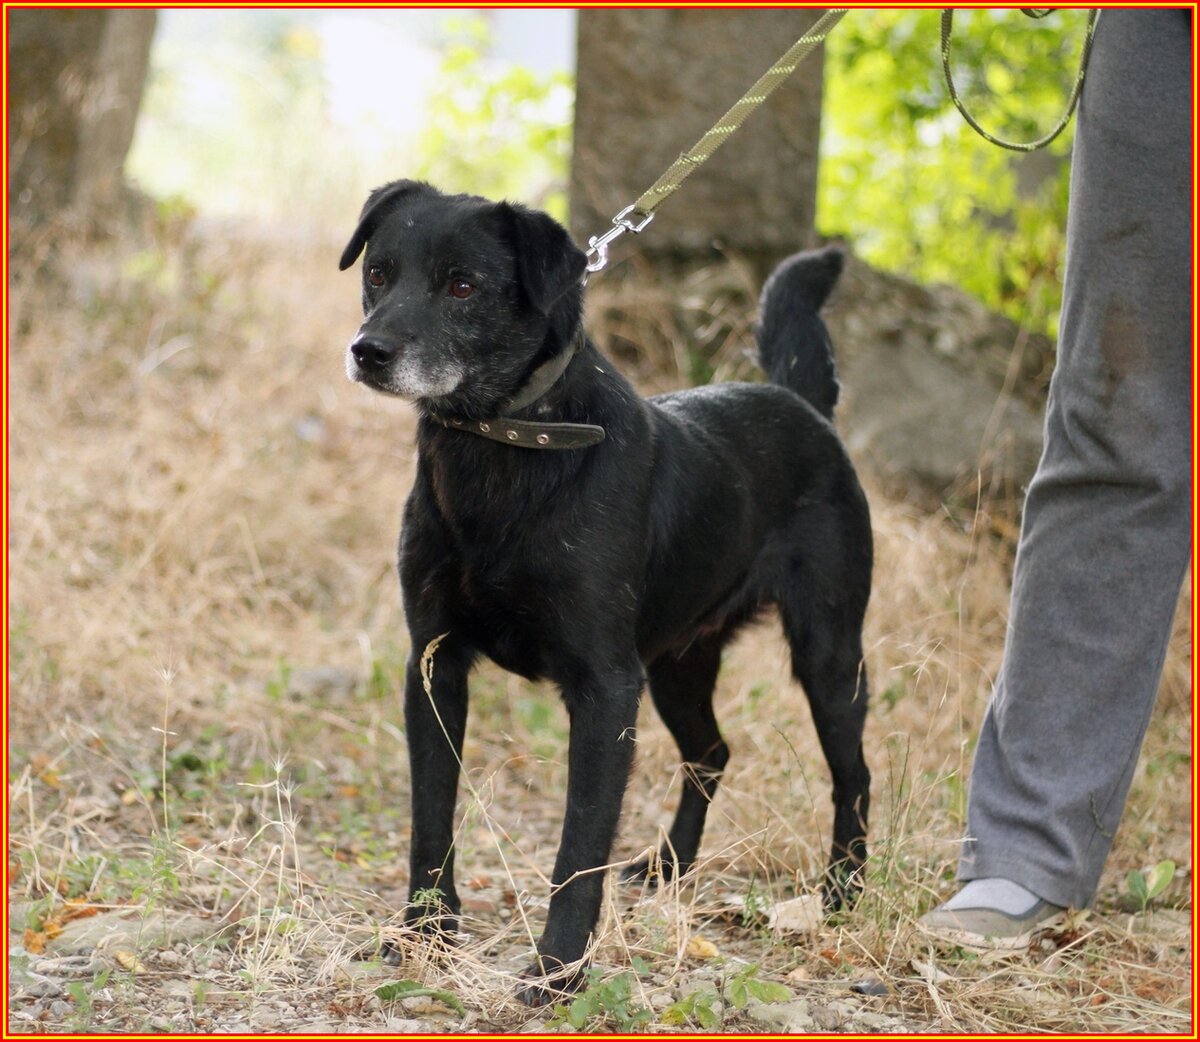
375	276
460	289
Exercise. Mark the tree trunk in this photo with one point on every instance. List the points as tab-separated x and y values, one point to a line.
650	83
75	83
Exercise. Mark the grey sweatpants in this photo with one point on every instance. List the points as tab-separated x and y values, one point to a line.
1106	534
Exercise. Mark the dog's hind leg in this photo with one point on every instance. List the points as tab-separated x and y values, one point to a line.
682	689
823	624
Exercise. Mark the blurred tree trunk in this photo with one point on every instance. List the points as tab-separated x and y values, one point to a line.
76	77
651	81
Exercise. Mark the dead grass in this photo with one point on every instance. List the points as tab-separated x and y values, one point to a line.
206	640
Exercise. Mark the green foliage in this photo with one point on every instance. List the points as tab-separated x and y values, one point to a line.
745	985
233	144
914	188
1150	883
705	1007
700	1008
245	123
428	899
500	132
411	989
604	1005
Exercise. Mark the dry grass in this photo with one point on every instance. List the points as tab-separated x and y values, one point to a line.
205	645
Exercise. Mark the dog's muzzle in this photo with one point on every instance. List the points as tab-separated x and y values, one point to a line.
372	356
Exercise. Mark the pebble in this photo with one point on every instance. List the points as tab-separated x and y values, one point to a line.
71	966
41	989
660	1000
827	1017
405	1025
872	986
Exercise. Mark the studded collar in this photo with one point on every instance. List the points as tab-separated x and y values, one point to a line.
531	434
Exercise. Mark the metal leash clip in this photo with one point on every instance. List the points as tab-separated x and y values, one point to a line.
598	245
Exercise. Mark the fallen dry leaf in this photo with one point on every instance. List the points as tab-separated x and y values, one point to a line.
77	908
128	961
799	915
700	948
930	973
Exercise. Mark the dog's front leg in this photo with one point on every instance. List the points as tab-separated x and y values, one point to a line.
435	716
603	712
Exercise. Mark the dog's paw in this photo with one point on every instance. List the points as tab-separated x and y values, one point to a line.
547	980
841	888
654	871
440	922
426	931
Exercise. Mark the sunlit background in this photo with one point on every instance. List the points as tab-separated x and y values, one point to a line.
287	117
295	113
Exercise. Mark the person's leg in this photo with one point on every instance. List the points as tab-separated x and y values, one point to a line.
1106	533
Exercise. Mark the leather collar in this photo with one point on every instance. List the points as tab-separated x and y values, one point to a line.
530	434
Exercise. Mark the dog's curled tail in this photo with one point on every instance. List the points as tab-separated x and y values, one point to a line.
794	348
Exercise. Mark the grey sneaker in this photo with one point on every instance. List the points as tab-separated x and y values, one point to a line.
988	929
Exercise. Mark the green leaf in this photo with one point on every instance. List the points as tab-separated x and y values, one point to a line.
1136	883
411	989
1160	878
768	991
674	1015
707	1017
737	991
581	1009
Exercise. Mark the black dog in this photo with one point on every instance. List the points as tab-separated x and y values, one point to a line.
571	530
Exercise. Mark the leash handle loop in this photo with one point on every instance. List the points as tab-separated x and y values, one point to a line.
1076	90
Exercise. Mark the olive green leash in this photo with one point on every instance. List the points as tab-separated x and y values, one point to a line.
1045	139
636	216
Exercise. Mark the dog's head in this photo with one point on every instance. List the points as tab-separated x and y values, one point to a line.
463	297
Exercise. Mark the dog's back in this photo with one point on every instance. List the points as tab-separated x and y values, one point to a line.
793	345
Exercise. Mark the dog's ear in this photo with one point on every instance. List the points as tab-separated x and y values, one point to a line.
548	262
377	206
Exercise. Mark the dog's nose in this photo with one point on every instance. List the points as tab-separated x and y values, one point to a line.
372	354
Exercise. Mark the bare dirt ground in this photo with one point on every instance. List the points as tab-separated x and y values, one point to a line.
207	783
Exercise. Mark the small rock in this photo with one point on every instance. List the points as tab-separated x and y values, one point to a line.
70	966
403	1026
60	1009
660	1000
802	914
827	1018
792	1018
134	930
40	988
180	989
871	986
